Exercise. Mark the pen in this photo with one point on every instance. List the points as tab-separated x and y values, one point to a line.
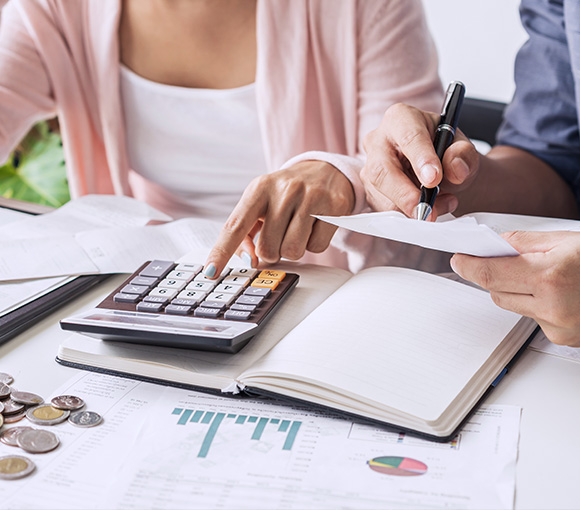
443	139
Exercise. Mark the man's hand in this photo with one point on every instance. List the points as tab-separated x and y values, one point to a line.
401	157
542	283
273	218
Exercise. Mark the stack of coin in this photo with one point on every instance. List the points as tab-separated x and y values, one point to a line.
15	405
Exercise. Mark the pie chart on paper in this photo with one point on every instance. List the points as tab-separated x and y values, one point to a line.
397	466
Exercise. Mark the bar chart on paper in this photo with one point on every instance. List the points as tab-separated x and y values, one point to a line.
256	426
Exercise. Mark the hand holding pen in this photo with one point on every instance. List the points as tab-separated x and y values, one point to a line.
401	156
443	138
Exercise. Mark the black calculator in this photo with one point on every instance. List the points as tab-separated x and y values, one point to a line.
176	305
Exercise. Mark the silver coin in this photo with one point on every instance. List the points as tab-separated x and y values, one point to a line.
85	418
13	418
46	415
68	402
11	407
4	391
37	441
13	467
26	398
9	436
1	407
6	378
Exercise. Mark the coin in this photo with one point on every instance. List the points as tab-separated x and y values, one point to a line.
8	436
68	402
37	441
1	407
6	378
13	418
15	466
46	415
26	398
11	407
4	391
85	418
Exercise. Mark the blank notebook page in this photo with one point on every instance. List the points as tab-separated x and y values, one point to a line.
405	339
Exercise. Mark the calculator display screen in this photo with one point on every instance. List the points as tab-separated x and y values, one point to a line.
156	322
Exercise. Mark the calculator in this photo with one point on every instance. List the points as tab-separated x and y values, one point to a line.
175	305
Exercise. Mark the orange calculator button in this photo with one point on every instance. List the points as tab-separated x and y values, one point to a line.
267	283
273	275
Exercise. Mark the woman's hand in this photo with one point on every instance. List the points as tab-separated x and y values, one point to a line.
273	218
401	157
543	282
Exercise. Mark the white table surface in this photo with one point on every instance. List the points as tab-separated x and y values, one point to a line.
546	387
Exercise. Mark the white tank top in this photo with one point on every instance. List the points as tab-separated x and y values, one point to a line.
203	145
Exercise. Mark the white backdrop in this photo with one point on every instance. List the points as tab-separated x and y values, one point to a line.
477	42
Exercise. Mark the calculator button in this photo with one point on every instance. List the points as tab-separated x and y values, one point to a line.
191	268
163	292
125	298
250	300
201	286
156	269
213	304
156	299
221	297
265	282
258	291
193	295
178	309
143	280
134	289
147	306
172	284
237	315
244	271
243	308
273	275
212	313
184	302
181	275
229	289
204	279
236	280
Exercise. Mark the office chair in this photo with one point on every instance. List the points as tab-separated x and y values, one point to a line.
480	119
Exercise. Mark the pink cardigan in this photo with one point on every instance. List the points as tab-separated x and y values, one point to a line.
326	72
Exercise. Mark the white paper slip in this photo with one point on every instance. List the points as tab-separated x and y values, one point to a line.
541	344
84	213
123	250
39	258
474	234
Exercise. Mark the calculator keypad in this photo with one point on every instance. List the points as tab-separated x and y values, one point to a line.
239	294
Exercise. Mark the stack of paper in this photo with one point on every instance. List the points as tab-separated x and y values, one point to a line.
97	234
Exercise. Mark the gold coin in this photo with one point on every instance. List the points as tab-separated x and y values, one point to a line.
47	413
12	465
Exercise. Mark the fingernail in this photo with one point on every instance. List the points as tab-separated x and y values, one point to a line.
247	258
209	271
428	174
452	264
461	169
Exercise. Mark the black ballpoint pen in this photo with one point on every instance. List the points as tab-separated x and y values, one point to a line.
443	138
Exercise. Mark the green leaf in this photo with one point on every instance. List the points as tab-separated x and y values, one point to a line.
36	172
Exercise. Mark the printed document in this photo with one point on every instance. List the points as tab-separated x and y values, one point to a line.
162	447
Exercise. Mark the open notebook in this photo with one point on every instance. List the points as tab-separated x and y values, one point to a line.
396	346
